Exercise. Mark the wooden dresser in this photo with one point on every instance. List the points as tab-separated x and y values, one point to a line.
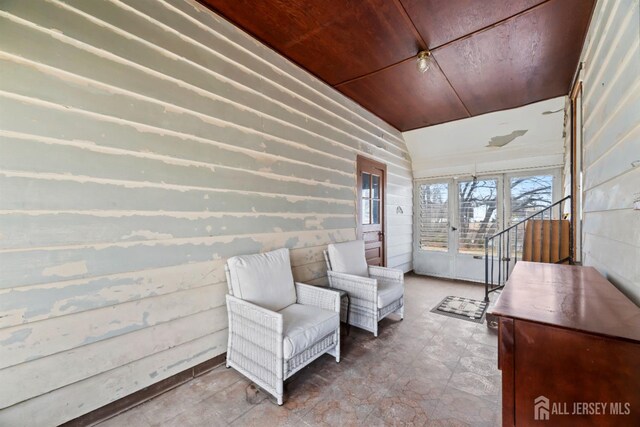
568	348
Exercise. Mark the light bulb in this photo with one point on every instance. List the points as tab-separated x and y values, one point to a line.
423	61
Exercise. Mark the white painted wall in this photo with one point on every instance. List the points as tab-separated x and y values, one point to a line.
143	142
534	142
464	147
611	132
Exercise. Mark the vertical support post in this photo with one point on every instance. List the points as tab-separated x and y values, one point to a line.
550	235
492	247
541	236
560	231
500	261
571	241
515	260
506	273
486	269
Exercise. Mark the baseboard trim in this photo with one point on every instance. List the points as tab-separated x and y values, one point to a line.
134	399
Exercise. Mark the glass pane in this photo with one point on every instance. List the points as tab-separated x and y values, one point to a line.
434	217
478	214
366	185
366	211
529	194
375	186
375	212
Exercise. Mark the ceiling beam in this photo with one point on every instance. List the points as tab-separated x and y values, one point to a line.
451	85
421	43
411	58
424	46
488	27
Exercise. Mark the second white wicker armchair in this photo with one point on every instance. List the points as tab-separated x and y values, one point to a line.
277	328
375	292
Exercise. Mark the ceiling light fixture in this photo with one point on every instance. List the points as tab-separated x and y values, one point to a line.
423	61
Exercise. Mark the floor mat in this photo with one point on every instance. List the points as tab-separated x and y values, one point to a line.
462	308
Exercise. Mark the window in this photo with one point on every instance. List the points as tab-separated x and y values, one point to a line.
478	216
370	199
434	217
529	194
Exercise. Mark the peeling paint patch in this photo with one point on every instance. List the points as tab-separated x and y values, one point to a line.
291	242
502	140
313	223
546	113
16	337
40	302
147	234
66	270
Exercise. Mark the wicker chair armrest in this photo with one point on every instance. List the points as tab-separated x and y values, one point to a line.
255	345
389	274
357	287
316	296
254	324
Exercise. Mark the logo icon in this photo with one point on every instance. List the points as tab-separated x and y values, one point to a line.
541	408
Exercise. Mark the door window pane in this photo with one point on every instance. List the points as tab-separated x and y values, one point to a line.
375	212
434	217
478	214
366	185
366	211
375	186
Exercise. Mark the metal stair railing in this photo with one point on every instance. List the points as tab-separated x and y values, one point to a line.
500	245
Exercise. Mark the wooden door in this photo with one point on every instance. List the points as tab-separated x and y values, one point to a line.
371	196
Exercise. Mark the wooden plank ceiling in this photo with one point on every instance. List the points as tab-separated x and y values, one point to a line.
487	55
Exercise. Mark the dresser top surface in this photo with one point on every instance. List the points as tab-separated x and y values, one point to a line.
568	296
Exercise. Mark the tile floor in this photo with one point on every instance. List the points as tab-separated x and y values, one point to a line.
428	370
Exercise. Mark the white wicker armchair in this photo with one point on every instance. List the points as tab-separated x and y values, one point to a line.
375	292
277	327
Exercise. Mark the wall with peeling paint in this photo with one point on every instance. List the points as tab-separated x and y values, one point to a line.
142	143
611	151
511	140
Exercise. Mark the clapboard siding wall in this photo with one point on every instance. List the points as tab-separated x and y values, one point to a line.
611	129
143	142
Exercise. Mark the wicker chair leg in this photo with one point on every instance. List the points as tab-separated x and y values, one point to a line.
279	394
335	352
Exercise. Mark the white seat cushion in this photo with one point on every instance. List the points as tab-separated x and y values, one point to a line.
349	258
304	325
263	279
388	292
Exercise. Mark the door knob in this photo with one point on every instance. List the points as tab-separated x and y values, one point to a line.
453	228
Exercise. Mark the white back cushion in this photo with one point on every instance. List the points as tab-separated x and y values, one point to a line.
263	279
348	257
